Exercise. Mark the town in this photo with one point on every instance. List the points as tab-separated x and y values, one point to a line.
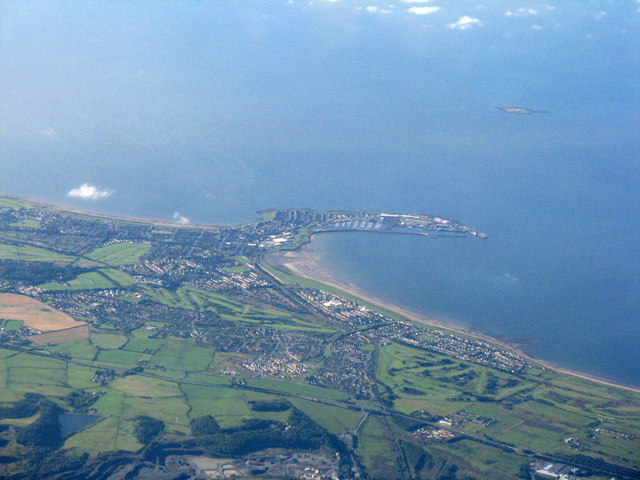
196	309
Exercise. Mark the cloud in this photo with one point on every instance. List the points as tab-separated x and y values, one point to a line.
50	133
416	1
181	219
374	9
87	191
423	10
464	23
536	27
511	278
600	15
521	12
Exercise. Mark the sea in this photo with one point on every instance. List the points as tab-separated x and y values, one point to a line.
207	111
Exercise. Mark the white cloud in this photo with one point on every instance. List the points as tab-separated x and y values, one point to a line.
181	219
536	27
521	12
50	133
423	10
600	15
374	9
464	23
416	1
87	191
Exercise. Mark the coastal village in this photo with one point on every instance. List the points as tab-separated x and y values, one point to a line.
263	330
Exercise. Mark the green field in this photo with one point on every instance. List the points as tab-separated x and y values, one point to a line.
227	405
123	279
374	450
232	310
183	355
16	203
84	281
79	349
10	325
123	253
119	358
139	344
27	223
297	389
32	254
108	340
335	419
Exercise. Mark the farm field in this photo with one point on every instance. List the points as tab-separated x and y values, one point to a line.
34	313
123	253
84	281
32	254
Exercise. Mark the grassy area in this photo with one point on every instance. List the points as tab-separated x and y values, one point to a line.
27	223
10	325
204	378
229	406
24	372
238	269
376	451
118	358
138	344
14	203
79	376
124	253
84	281
537	411
308	390
335	419
78	349
119	277
32	254
183	355
232	310
109	340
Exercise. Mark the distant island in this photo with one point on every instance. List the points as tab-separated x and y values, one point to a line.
139	349
520	110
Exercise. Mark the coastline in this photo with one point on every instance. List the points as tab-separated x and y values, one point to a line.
119	218
308	265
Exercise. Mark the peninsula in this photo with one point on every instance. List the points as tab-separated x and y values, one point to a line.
134	349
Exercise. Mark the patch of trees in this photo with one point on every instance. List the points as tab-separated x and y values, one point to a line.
203	426
147	428
45	432
301	433
270	406
55	465
416	457
37	272
599	464
411	425
81	401
24	408
413	391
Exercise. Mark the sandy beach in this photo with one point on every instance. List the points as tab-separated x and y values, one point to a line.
307	262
